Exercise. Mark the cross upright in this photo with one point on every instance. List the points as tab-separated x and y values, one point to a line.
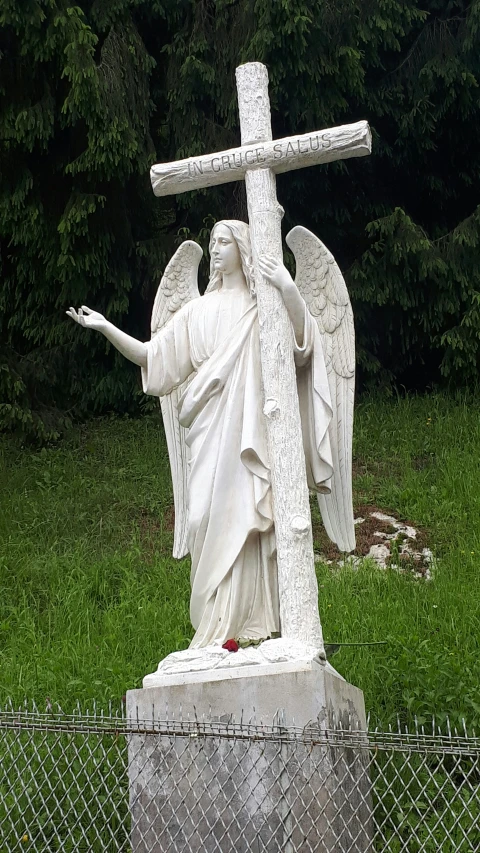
257	161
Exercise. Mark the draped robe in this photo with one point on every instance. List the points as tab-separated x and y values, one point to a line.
214	340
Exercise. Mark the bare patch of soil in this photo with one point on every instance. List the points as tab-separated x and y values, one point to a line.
383	537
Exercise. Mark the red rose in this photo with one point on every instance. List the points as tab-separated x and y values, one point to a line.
231	646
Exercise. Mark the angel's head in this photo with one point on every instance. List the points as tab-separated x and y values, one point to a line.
230	248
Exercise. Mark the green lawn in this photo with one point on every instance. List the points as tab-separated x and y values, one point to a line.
90	598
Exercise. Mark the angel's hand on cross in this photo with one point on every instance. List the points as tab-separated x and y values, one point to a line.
275	273
88	318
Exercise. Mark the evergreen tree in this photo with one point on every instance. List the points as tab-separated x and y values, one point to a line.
91	95
75	108
403	223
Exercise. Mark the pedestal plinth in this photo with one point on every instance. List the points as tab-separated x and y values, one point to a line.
266	758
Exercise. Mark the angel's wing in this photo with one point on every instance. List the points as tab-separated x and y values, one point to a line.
177	287
322	286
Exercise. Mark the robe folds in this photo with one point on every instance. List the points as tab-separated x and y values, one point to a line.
214	340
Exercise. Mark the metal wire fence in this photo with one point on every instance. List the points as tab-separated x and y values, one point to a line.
96	782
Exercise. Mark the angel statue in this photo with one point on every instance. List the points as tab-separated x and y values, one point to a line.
203	361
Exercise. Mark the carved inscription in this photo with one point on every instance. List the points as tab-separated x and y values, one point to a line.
240	159
279	155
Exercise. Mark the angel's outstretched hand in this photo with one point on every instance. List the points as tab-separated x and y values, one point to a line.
88	318
275	273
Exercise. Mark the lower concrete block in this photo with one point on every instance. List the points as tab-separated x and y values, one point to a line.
248	762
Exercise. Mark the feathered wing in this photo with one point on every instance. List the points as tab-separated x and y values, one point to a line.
321	284
178	286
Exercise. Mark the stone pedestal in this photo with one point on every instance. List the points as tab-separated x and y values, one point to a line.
245	760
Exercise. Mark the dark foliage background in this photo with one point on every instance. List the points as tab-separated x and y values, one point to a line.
91	95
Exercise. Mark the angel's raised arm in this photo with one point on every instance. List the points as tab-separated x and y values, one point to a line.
132	349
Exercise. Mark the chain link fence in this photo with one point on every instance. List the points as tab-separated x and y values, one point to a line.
64	785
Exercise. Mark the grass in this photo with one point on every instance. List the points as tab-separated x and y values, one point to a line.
91	599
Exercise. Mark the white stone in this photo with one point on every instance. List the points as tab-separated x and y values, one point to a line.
389	537
252	353
220	377
381	516
406	529
259	380
381	554
214	658
279	155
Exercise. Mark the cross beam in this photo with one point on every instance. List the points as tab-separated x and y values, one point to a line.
280	155
257	161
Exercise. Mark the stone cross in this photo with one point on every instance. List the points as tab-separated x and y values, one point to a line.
257	161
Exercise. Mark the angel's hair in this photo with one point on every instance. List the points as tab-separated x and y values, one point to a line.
241	235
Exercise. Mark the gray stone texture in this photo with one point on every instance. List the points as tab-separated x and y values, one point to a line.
263	790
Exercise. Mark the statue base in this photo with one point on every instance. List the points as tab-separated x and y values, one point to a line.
211	662
266	757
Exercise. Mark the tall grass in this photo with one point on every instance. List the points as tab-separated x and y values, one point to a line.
91	599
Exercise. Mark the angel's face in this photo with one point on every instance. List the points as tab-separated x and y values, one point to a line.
224	250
